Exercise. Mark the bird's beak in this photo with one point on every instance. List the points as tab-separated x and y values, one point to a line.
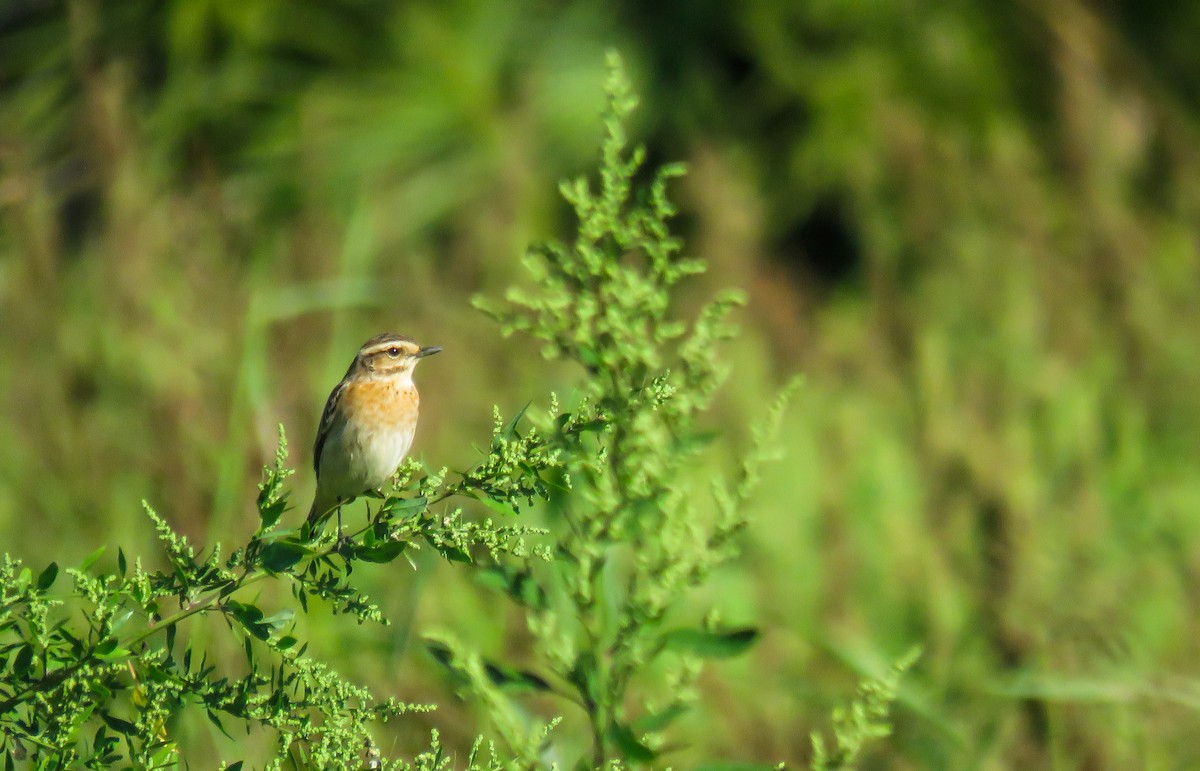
428	350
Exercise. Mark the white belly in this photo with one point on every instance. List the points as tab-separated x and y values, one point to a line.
353	462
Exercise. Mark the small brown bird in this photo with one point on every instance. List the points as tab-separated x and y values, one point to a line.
367	426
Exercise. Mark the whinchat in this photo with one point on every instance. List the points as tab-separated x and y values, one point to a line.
368	424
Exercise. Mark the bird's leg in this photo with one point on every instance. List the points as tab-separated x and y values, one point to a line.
341	537
342	540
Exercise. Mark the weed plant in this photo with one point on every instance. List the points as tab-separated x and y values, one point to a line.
98	665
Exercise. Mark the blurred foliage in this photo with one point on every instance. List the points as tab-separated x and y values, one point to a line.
972	226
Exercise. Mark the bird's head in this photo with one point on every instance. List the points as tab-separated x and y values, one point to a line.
391	354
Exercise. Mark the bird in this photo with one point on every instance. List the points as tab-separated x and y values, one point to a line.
367	426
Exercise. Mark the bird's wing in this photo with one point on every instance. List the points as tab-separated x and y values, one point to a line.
326	423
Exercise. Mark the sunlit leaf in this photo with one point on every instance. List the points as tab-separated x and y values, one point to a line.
510	429
91	559
397	506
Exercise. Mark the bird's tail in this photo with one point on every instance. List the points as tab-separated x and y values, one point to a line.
320	511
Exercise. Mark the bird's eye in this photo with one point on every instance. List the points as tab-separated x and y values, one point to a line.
393	352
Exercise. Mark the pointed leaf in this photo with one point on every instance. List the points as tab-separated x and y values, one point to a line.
281	619
270	513
657	721
23	659
381	552
511	427
108	649
513	679
500	507
120	725
631	747
397	506
251	619
91	559
46	579
698	642
517	584
281	555
212	717
440	651
449	550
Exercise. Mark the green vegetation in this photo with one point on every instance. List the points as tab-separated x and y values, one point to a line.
629	544
971	228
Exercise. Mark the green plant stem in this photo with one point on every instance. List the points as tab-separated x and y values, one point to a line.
226	589
599	731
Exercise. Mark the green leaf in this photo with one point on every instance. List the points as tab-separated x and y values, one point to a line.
449	550
281	619
590	359
510	429
282	555
23	659
46	579
270	513
212	717
441	652
251	619
517	584
500	507
583	675
657	721
629	744
120	725
395	506
91	559
122	565
698	642
513	679
164	756
695	442
107	650
381	552
444	656
121	620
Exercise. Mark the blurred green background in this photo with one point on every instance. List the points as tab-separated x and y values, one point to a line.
973	226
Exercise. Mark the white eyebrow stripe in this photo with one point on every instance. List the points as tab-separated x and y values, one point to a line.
385	345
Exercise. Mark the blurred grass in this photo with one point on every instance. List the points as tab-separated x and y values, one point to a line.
973	228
